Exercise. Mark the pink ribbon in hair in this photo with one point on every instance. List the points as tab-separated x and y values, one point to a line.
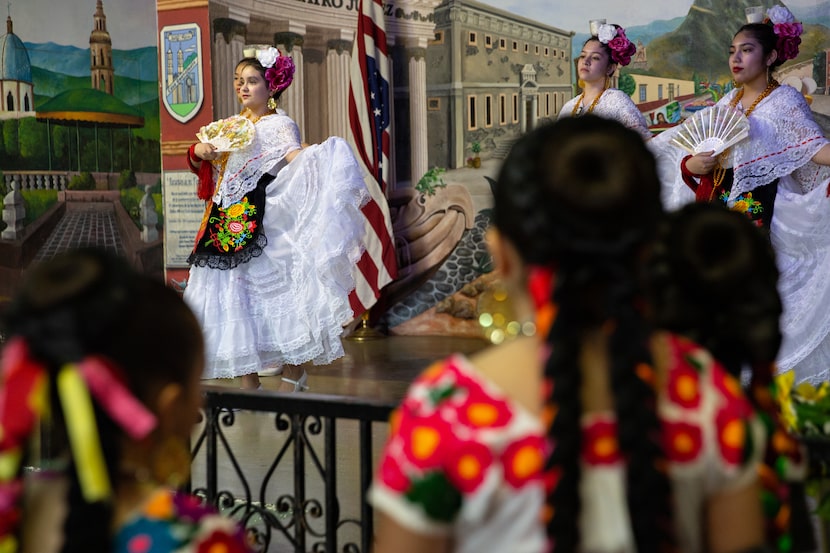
114	397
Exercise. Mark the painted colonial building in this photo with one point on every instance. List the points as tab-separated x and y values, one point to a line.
491	75
102	73
318	35
17	97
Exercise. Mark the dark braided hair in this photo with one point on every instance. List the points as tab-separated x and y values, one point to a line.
714	279
582	196
88	302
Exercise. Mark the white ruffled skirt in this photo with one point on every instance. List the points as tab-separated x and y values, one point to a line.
800	234
289	305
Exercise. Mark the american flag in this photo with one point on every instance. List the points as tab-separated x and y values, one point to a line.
369	118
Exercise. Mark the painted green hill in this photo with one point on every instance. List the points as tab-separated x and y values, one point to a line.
701	43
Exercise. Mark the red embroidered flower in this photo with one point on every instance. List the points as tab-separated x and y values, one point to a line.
483	411
391	474
684	387
425	439
599	443
468	465
221	542
523	461
731	430
683	441
731	391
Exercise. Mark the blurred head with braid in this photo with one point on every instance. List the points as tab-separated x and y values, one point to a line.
612	462
108	362
581	199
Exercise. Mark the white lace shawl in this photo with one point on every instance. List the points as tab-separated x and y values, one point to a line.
615	104
783	138
276	135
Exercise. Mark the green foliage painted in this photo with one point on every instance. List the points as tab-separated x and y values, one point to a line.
10	137
131	198
83	181
431	181
126	179
36	203
627	84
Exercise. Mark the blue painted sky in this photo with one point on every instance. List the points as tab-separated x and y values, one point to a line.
574	16
131	23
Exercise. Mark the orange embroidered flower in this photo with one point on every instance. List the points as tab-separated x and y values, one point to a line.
599	443
731	430
221	542
432	373
422	438
160	506
684	387
468	465
483	411
731	390
683	441
523	461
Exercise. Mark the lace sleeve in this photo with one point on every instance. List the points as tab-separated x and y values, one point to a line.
783	138
276	136
616	104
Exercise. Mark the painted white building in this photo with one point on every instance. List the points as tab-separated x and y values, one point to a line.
17	97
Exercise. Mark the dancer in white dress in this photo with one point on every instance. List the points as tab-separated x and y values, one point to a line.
271	267
778	177
601	55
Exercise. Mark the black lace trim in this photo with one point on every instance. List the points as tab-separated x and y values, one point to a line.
229	261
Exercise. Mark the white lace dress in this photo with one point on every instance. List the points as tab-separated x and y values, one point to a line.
783	137
614	104
286	303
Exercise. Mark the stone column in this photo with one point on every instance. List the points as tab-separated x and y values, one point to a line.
418	111
14	213
338	65
228	43
316	90
292	101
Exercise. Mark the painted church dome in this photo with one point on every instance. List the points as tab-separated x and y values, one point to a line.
14	59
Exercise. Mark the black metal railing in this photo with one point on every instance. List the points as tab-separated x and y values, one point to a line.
270	484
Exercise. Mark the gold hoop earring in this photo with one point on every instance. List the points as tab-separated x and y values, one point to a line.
170	462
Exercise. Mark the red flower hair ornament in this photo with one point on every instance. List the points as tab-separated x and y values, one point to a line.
787	29
614	37
279	69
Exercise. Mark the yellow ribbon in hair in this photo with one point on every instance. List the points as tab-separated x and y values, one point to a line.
83	434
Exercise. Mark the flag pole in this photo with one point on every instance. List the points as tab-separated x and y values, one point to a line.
364	332
369	111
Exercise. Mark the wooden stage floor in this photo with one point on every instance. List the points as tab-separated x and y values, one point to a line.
381	369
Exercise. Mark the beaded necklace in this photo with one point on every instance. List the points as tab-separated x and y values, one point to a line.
772	85
719	172
578	106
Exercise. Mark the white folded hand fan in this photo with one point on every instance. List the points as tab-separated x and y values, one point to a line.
712	129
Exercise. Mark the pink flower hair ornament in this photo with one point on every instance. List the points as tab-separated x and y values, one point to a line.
279	69
613	36
787	29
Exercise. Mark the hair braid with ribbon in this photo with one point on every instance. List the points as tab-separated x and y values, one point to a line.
77	355
579	199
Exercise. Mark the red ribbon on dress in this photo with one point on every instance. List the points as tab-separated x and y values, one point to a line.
203	171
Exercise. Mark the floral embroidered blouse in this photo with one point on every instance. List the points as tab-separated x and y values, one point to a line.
464	461
174	522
